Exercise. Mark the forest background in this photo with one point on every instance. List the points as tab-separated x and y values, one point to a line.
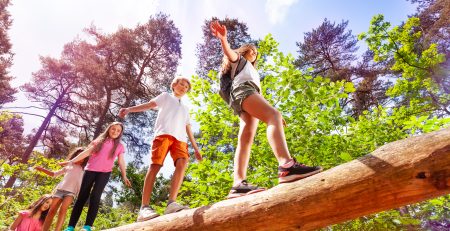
342	95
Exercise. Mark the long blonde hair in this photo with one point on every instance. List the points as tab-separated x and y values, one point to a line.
226	66
102	138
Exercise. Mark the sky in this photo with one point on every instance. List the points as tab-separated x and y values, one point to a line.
42	27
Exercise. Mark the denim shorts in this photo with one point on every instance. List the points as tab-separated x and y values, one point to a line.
239	93
62	193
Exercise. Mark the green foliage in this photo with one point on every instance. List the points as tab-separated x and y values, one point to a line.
110	217
31	185
4	116
421	216
131	197
416	63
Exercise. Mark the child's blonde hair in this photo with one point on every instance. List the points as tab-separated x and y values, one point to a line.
225	67
179	78
35	206
102	138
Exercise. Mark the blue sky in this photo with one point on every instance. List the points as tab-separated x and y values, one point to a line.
42	27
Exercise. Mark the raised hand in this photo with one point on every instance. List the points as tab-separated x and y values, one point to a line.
217	30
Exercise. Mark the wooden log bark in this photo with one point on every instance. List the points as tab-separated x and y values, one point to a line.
396	174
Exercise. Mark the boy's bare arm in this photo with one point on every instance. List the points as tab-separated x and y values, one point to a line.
198	155
138	108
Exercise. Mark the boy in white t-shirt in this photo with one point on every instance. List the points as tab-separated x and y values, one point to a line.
171	127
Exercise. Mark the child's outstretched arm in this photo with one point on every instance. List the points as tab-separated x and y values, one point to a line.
44	170
220	32
198	155
138	108
123	170
87	152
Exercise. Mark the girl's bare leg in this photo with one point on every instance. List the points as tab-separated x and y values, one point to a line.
258	107
56	202
247	130
66	202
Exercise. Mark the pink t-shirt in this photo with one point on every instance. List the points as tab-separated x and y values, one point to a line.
100	161
28	223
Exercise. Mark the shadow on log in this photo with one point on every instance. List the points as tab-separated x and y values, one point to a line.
396	174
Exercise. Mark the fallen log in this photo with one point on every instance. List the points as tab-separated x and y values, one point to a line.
396	174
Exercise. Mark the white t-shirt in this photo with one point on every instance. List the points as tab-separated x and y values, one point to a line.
173	116
72	178
248	73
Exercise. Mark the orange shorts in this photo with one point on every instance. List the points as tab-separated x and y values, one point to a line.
163	144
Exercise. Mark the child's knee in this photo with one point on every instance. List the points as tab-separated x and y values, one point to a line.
181	162
248	134
153	169
276	116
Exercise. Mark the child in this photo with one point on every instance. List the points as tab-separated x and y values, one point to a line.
171	127
247	102
66	190
102	151
33	218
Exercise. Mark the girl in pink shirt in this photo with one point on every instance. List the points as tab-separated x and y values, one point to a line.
66	190
33	218
102	153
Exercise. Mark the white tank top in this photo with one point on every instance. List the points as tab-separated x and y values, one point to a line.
248	73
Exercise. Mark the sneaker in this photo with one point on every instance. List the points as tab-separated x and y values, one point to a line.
244	188
174	207
70	228
86	228
146	213
296	172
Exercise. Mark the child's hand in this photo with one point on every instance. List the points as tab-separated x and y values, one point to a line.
123	112
126	181
217	30
198	155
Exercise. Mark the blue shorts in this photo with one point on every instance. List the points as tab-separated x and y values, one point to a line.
62	193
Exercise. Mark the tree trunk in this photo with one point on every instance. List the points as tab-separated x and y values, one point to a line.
36	137
394	175
101	120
